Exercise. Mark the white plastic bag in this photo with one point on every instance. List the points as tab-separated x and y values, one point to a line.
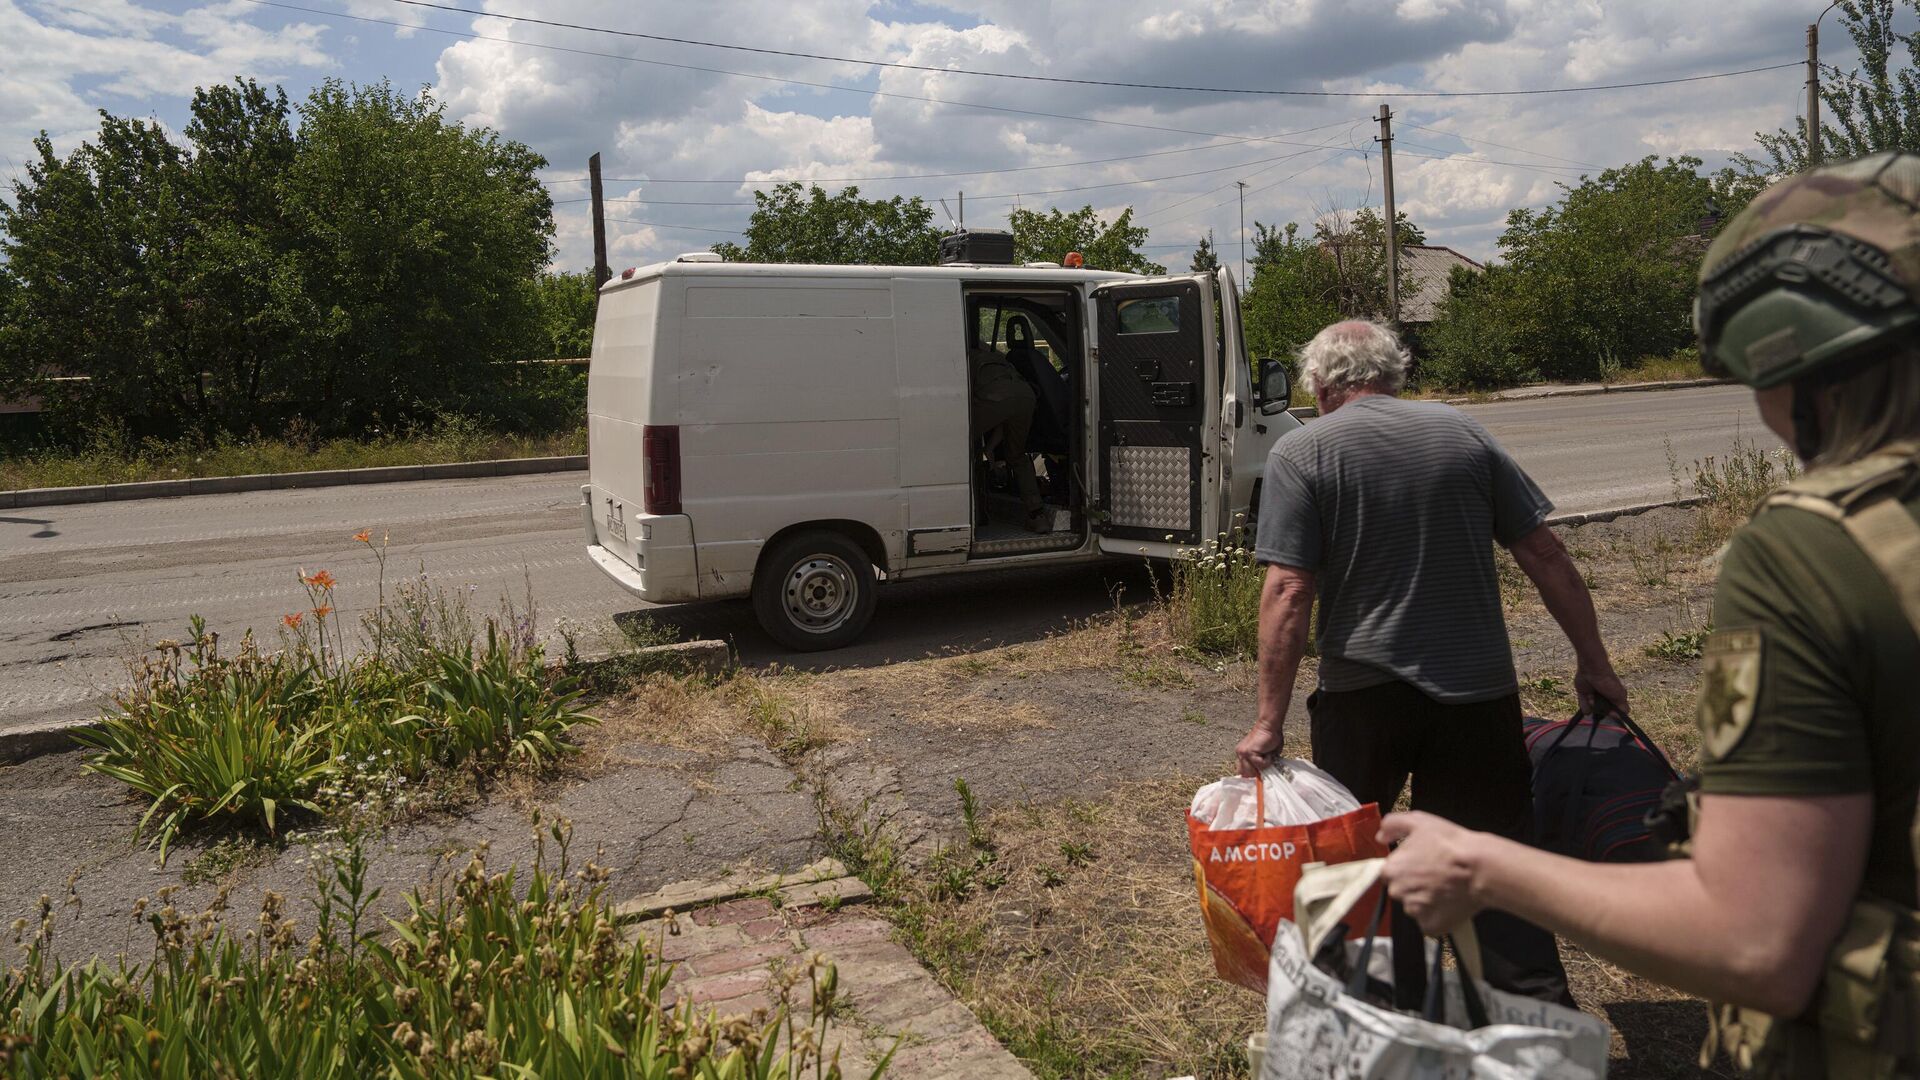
1296	793
1317	1031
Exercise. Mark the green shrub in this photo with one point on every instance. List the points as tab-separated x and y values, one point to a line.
1681	647
502	976
1214	603
502	707
206	736
244	740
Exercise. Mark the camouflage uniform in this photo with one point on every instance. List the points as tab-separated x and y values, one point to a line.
1811	679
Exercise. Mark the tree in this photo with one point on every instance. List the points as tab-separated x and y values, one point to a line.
375	264
1588	286
416	239
795	225
92	248
1294	292
566	302
1204	258
1048	236
1874	107
1357	243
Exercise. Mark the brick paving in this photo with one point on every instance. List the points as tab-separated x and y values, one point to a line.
731	949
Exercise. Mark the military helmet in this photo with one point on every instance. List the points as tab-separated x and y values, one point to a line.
1820	269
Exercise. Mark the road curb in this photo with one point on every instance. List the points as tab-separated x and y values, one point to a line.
1595	391
1596	516
52	737
317	478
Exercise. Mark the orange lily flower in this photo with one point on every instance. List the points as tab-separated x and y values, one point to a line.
364	535
293	620
319	579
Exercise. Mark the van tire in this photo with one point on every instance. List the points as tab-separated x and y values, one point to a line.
815	591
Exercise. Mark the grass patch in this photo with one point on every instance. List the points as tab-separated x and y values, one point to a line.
503	974
243	739
1680	647
114	462
621	658
1085	958
1682	364
1731	486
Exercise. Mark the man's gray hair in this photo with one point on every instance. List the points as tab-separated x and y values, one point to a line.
1354	354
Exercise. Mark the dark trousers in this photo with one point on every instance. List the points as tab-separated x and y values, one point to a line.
1469	765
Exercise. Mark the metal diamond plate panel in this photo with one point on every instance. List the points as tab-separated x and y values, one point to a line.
1151	487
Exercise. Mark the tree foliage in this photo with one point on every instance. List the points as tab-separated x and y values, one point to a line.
792	224
1205	257
1601	279
1047	236
1875	106
1294	292
376	264
566	302
1301	283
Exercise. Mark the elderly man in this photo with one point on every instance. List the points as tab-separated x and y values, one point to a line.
1389	510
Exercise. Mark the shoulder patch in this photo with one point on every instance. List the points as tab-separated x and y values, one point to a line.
1729	688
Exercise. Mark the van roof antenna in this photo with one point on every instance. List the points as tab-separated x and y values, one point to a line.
943	205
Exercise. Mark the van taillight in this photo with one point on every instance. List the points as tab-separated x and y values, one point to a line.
661	445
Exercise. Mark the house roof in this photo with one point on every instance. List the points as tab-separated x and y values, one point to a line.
1430	265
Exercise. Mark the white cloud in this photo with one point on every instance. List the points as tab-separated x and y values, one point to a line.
658	123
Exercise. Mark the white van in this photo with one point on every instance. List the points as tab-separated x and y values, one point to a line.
800	433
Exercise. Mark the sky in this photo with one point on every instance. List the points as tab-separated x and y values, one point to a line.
688	132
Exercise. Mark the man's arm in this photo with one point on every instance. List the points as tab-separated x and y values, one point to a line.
1544	560
1747	920
1286	606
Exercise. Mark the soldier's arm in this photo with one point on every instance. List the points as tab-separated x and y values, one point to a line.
1748	920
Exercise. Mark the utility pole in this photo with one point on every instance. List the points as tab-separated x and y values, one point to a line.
963	209
1242	185
1813	92
1385	139
601	271
1814	155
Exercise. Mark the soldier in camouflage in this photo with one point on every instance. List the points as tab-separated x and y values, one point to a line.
1795	911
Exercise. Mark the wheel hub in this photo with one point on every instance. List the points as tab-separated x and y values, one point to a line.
820	593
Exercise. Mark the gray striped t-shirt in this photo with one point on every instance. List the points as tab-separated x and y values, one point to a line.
1394	506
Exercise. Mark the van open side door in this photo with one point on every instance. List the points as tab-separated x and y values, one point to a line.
1156	363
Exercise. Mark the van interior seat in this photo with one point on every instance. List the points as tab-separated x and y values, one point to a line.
1050	427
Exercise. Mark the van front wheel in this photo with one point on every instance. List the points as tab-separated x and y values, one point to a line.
815	591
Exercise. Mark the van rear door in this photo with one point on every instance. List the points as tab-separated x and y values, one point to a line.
1157	361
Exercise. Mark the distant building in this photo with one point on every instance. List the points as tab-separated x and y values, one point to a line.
1428	269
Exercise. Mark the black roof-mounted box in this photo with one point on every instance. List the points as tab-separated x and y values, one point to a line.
992	247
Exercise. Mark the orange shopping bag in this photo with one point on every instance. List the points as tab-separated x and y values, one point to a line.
1246	879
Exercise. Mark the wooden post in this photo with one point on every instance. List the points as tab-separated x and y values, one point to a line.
601	271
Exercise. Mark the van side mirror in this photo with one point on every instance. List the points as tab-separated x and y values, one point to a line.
1276	387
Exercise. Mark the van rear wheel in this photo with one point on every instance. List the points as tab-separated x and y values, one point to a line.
815	591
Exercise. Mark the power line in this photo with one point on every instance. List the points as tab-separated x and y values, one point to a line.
1232	140
1504	146
1447	155
654	202
776	79
685	228
1080	82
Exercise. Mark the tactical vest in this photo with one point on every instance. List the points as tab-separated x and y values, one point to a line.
1865	1022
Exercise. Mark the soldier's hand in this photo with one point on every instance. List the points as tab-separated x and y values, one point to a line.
1431	872
1589	685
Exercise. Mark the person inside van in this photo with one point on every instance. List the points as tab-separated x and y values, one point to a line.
1003	405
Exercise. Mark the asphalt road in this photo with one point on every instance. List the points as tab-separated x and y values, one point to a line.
84	588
